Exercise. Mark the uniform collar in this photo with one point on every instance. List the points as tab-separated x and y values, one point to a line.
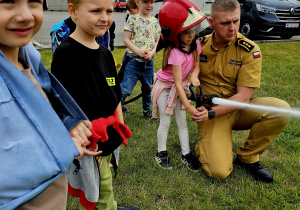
224	47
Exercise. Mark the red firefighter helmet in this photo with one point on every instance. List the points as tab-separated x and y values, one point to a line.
176	16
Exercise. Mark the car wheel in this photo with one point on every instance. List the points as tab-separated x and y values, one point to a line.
246	29
286	36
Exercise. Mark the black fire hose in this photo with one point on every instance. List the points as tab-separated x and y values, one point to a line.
138	96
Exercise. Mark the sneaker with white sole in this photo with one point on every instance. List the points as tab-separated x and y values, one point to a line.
147	114
163	160
191	161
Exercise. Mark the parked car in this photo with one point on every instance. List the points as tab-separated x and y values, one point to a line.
120	5
258	17
270	17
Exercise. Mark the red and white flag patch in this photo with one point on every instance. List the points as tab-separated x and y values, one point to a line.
256	54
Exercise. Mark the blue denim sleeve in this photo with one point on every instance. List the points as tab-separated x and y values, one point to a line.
63	110
64	105
69	122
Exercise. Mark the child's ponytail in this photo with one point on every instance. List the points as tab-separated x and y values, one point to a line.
166	56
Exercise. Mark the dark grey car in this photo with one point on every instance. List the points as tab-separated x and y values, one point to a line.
270	17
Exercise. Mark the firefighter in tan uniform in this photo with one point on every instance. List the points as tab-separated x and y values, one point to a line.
230	66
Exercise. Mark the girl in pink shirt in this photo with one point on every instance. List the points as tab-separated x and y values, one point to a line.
180	59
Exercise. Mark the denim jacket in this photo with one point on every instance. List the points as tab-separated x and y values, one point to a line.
35	146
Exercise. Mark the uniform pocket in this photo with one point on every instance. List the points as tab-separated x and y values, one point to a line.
231	71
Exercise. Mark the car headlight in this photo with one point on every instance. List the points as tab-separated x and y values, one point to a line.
265	9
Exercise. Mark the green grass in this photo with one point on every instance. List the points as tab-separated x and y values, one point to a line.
142	183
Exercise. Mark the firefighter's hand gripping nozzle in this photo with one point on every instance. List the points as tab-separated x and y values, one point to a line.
201	98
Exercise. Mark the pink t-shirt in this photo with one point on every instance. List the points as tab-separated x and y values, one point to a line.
178	58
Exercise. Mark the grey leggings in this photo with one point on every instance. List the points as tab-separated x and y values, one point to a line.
165	120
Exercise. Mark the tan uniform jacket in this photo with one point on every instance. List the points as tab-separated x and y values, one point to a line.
238	63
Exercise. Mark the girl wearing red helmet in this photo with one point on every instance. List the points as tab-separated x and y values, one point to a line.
180	20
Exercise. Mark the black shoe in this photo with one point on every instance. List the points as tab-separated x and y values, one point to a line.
128	208
191	161
147	114
256	170
163	160
124	110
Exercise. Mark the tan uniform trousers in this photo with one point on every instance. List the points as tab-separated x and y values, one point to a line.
54	197
214	148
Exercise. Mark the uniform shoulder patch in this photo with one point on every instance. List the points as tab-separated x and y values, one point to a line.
256	54
244	44
202	39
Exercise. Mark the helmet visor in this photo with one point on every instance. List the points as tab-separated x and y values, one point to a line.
199	27
195	19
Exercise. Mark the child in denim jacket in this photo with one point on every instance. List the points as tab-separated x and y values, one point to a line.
36	114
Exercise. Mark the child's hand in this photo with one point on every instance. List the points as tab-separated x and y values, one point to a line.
80	134
192	110
82	131
200	115
195	81
83	150
142	53
148	56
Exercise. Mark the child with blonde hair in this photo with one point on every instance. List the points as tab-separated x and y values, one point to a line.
88	72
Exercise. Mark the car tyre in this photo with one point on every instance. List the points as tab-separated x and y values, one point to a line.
286	36
246	29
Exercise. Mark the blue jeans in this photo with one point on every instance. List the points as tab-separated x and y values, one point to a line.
135	71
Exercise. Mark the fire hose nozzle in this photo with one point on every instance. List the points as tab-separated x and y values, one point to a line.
208	99
201	98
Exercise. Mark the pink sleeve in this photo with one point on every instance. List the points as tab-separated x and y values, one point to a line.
175	58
